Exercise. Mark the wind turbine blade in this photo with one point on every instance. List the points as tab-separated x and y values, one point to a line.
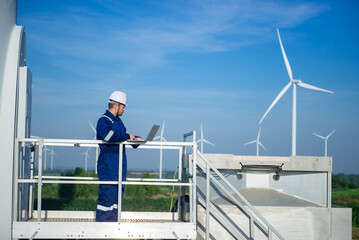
158	137
276	100
94	130
319	136
305	85
204	140
262	146
331	133
289	70
164	139
199	140
254	141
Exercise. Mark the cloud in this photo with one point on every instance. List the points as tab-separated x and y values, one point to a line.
101	32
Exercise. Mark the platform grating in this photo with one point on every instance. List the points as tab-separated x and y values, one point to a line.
93	220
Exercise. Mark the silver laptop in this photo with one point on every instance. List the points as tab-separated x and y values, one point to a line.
150	136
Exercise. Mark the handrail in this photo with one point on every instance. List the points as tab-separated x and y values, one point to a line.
217	214
40	179
96	178
257	214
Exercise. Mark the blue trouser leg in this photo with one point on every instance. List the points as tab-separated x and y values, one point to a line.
107	203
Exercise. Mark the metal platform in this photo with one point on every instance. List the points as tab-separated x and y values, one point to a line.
82	225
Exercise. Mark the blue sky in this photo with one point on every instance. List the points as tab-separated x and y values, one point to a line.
217	63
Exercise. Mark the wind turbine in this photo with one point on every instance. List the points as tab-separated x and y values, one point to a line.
257	141
293	82
203	140
52	157
325	140
46	150
162	139
96	158
86	156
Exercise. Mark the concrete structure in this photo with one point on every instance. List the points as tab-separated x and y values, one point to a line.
15	106
292	193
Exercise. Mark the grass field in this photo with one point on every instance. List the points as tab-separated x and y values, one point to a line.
346	193
348	198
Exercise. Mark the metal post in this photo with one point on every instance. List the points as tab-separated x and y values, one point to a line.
39	181
190	179
270	235
251	228
194	186
31	186
184	152
96	159
208	199
15	184
119	197
21	153
329	190
179	188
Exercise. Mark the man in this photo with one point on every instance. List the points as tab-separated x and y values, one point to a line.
110	128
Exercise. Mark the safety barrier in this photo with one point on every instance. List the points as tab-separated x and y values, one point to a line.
34	148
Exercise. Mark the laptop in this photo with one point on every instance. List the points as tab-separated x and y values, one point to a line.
150	136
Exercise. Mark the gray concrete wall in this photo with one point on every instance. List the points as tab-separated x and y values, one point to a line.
310	186
292	223
342	222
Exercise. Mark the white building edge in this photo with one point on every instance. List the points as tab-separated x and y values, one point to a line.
230	197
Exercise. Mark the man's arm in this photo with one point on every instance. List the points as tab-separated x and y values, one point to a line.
106	133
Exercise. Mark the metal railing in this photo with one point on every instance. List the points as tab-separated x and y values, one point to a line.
36	160
255	218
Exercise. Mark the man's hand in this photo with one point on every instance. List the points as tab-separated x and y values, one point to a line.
138	138
131	136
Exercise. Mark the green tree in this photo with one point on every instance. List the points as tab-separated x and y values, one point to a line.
345	182
67	191
150	190
336	182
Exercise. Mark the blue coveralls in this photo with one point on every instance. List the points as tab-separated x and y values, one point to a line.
111	129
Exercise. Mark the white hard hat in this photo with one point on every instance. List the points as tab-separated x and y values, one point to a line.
119	97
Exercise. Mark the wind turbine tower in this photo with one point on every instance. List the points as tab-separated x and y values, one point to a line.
203	140
294	83
162	139
325	140
86	156
257	141
52	158
45	150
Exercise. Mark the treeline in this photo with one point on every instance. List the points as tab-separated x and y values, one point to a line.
84	196
350	181
345	192
82	191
